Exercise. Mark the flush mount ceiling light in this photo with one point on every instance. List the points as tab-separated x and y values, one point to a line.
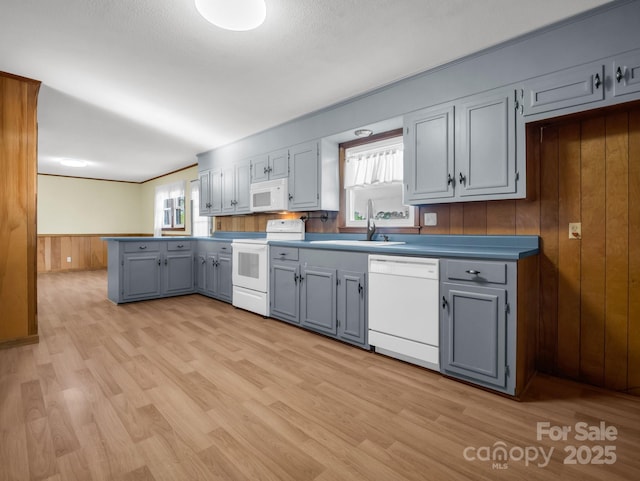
238	15
73	163
363	132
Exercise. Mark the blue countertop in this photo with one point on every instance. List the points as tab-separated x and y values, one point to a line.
468	246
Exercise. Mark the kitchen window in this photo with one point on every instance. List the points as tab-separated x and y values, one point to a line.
373	171
169	207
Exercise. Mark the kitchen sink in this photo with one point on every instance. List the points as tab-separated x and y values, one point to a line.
339	242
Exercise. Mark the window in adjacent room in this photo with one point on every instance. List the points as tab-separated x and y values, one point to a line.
199	224
374	171
169	207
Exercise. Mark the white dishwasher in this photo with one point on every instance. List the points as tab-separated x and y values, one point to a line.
404	309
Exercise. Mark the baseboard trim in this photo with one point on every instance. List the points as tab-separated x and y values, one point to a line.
20	341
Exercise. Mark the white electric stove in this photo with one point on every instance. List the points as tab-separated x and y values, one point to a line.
251	264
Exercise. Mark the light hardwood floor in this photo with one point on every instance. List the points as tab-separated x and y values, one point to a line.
191	388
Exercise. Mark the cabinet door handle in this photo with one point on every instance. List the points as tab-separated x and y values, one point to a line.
295	278
463	179
202	260
444	302
265	170
360	288
597	81
301	278
619	75
472	272
208	204
165	261
449	179
142	247
290	196
158	261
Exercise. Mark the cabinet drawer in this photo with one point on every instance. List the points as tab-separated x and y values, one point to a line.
223	248
178	245
284	253
130	247
493	272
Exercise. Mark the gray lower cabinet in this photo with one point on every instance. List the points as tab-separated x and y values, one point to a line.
351	306
471	149
486	324
213	271
285	290
321	290
318	309
141	276
177	273
474	329
140	270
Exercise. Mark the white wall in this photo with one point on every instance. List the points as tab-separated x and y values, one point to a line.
68	205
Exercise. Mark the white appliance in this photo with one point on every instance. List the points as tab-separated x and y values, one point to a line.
250	271
404	309
269	196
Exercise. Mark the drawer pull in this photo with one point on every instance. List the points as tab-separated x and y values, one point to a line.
180	246
283	253
472	272
597	82
142	247
223	248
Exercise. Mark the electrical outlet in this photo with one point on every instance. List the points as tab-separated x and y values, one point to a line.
219	225
430	218
68	259
575	230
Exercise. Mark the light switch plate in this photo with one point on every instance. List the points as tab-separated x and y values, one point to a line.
430	218
575	230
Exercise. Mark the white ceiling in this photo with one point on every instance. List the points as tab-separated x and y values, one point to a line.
139	87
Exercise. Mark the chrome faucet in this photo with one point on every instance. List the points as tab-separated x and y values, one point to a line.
371	226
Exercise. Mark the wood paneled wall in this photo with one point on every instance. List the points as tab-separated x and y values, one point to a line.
591	307
86	252
18	163
581	169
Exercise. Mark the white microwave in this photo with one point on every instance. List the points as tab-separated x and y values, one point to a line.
269	196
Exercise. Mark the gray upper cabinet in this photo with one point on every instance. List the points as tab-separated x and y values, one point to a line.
574	86
303	177
236	181
270	167
472	149
205	192
429	154
313	176
210	192
626	74
486	144
259	168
